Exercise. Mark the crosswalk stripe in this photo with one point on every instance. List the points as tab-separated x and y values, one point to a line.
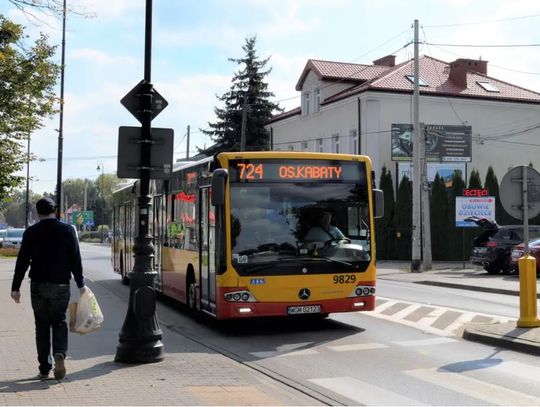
474	388
425	342
521	370
429	319
364	393
357	346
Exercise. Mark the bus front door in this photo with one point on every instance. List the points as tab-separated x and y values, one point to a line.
207	265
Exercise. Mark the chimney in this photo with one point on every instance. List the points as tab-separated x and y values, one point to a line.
389	60
460	67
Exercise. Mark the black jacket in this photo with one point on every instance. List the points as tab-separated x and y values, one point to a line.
51	249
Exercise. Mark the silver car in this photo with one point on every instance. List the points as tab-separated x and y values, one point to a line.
13	238
2	235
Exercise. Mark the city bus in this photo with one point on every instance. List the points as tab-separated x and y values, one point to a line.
230	233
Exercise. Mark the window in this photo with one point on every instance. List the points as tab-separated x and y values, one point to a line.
291	147
353	136
320	147
488	86
304	145
421	82
305	104
317	101
336	143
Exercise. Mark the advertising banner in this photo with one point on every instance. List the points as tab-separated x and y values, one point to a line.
443	142
445	171
473	206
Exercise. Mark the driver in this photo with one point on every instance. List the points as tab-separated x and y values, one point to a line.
324	231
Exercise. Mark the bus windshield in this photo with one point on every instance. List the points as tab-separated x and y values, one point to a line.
289	227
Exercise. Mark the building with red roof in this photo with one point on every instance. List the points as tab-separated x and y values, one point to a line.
472	120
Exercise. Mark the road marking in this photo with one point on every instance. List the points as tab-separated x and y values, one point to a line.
428	320
357	346
363	393
425	342
477	389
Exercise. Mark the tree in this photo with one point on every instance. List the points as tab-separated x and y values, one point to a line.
474	180
456	239
403	220
247	105
440	225
27	80
384	227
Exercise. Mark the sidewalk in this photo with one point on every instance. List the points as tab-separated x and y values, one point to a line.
454	275
190	373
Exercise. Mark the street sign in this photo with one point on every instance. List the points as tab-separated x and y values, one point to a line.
511	192
129	152
467	206
132	102
82	217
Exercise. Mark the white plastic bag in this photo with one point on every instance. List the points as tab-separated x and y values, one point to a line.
86	316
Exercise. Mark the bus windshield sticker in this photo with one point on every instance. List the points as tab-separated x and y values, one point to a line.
240	259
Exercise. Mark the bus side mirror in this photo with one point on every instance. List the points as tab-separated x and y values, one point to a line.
378	203
219	180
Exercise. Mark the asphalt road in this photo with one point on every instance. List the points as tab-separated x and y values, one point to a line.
407	352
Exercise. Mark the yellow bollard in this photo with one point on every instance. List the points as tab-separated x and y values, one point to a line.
527	293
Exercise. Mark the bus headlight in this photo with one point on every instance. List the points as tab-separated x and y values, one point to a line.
363	291
239	296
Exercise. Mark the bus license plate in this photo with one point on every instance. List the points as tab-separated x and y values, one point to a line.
304	309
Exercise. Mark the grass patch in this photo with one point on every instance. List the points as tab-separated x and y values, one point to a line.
8	252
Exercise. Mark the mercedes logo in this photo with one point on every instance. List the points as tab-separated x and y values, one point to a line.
304	294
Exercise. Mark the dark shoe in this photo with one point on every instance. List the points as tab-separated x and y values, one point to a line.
42	376
59	366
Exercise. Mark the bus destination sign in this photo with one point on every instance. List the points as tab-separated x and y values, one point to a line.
293	170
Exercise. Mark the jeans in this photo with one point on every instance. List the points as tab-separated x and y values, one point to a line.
50	302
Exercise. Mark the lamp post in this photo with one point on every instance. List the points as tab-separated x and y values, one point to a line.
61	126
27	204
102	168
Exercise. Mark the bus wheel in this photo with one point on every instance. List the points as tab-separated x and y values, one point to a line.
192	297
125	278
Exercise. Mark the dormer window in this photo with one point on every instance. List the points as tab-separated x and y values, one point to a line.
316	100
421	82
305	104
488	86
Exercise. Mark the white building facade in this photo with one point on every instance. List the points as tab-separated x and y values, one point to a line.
352	109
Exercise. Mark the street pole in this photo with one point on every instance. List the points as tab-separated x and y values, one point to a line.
416	262
140	336
102	196
27	205
187	143
61	126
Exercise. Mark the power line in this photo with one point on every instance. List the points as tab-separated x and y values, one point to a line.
484	45
484	22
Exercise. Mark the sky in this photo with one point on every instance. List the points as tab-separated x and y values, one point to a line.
192	41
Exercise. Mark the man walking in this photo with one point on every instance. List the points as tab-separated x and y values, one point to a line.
51	249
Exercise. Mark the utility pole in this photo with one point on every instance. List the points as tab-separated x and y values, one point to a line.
426	221
244	123
27	204
187	144
416	261
85	201
61	126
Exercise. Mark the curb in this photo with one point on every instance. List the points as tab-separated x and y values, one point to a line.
501	341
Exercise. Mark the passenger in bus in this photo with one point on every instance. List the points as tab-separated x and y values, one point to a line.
324	231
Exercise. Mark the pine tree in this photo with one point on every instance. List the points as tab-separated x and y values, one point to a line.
440	226
492	185
474	180
247	96
403	220
384	227
456	236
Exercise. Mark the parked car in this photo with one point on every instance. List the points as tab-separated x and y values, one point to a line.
517	253
2	235
13	238
493	246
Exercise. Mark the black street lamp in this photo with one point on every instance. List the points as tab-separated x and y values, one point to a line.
61	126
102	168
27	203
